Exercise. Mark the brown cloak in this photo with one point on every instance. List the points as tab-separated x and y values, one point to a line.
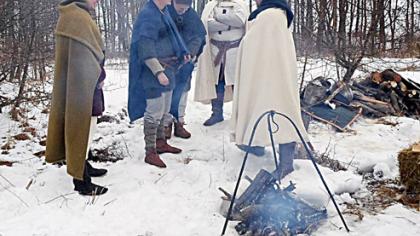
79	51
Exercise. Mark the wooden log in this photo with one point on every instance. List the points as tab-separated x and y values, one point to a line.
262	183
228	196
367	110
364	98
394	101
391	75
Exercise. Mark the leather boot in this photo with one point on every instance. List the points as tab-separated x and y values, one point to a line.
163	147
95	172
287	154
153	158
180	131
86	187
92	171
217	110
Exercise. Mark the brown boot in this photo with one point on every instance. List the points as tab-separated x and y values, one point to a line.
168	131
163	147
180	131
153	158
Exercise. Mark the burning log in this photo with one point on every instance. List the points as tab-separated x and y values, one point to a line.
266	209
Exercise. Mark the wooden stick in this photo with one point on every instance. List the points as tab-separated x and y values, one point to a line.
369	99
228	195
336	91
323	120
29	184
61	196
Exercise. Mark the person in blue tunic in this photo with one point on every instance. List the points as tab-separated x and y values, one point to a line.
193	32
157	52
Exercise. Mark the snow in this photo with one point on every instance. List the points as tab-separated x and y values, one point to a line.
183	199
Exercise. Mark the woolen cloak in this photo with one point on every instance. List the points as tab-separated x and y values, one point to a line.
266	80
79	52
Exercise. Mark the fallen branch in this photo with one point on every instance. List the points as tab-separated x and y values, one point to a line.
29	184
61	196
160	178
110	202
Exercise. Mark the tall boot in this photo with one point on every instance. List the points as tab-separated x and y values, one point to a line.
86	187
150	132
217	109
287	154
161	144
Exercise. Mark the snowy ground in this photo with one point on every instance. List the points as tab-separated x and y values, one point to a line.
38	199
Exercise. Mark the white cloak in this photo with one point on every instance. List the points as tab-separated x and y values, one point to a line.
266	80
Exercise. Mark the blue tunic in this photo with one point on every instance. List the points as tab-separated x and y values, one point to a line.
154	36
193	32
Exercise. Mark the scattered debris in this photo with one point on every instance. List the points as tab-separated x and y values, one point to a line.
187	160
109	154
123	114
386	122
6	163
381	194
326	161
24	124
15	113
8	145
22	137
108	119
30	130
43	143
353	209
40	154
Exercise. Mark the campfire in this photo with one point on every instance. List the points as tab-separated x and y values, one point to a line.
267	210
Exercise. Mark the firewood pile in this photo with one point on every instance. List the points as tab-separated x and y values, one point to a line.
380	94
264	209
387	93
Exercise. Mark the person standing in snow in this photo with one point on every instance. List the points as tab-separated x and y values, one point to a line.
77	97
267	80
225	23
193	32
157	51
